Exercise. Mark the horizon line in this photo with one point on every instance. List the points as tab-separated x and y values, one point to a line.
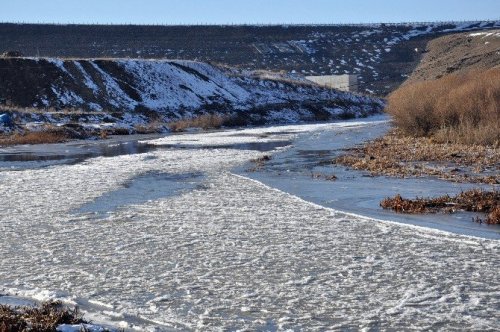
254	24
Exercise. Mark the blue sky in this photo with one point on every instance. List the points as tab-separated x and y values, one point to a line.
245	11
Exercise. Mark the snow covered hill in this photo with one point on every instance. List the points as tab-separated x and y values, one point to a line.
139	91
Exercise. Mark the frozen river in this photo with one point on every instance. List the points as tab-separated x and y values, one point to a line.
180	237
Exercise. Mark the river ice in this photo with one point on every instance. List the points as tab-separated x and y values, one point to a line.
231	253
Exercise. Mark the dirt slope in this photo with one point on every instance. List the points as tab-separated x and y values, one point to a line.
457	53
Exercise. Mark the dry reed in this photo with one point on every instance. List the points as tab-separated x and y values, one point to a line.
459	108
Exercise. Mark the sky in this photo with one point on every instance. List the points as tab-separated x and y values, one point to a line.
245	11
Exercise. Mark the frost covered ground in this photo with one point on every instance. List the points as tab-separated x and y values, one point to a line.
229	252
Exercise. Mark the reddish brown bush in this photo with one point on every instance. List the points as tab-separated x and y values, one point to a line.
207	121
494	216
44	318
461	108
36	137
472	200
418	205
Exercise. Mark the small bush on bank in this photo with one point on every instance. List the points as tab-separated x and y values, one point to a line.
473	200
150	128
206	121
44	318
458	108
36	137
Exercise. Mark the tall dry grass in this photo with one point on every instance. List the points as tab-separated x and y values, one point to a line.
459	108
206	121
36	137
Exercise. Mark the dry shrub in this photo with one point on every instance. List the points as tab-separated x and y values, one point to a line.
418	205
259	163
206	121
36	137
494	216
150	128
474	200
44	318
327	177
460	108
399	155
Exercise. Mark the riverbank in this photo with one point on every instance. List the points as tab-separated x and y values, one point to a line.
401	156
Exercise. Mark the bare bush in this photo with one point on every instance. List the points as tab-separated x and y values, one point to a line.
150	128
206	121
459	108
474	200
36	137
44	318
396	154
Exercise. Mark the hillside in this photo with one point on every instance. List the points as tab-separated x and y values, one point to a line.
458	53
129	92
382	55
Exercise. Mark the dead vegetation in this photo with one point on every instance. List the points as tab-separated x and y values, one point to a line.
494	216
43	318
402	156
259	163
210	121
206	121
37	137
150	128
459	108
473	200
321	176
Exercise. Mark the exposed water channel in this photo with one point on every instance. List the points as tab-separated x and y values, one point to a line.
290	170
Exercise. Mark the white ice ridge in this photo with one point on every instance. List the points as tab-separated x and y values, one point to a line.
485	34
235	254
256	135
